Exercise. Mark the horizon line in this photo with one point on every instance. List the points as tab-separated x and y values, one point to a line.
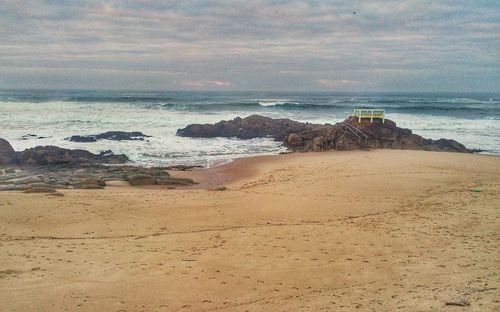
249	91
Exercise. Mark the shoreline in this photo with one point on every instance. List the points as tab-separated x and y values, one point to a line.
237	169
224	173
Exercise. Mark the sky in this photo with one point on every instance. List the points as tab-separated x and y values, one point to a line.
261	45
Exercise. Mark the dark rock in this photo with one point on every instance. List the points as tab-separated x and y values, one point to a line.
181	168
39	184
59	194
43	155
250	127
175	181
62	181
82	138
7	153
444	145
90	183
318	144
60	186
351	134
53	155
26	180
30	136
14	187
108	157
110	135
460	303
219	189
40	189
141	179
87	187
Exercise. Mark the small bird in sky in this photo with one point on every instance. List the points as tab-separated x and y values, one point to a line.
354	13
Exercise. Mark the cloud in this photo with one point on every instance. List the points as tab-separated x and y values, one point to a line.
219	83
195	84
341	84
256	45
336	83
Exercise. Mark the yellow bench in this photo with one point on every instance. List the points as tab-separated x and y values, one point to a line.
361	113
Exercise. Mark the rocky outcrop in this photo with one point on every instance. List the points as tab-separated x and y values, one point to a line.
110	135
348	135
53	155
351	134
7	153
250	127
45	168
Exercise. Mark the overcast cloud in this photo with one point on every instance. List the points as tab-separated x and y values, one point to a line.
413	45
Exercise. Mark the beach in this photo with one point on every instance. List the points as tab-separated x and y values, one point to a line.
378	230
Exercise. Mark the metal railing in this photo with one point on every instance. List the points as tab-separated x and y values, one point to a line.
361	137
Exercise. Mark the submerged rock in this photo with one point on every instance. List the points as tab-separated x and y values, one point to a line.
110	135
30	136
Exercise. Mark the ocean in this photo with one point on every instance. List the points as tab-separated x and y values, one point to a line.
32	117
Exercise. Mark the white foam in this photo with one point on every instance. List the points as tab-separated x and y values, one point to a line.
58	120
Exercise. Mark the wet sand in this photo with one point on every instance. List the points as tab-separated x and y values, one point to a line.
383	230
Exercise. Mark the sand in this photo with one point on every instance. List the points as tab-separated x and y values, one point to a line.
379	230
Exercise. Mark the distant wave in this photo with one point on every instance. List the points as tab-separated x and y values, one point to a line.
454	105
275	102
86	99
121	99
492	108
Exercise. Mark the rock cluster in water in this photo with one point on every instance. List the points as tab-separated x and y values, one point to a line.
348	135
110	135
45	169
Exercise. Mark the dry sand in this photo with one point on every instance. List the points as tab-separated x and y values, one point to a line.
383	230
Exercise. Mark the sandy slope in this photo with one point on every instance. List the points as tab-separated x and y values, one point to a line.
338	231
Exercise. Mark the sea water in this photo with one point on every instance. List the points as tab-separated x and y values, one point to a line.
50	117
